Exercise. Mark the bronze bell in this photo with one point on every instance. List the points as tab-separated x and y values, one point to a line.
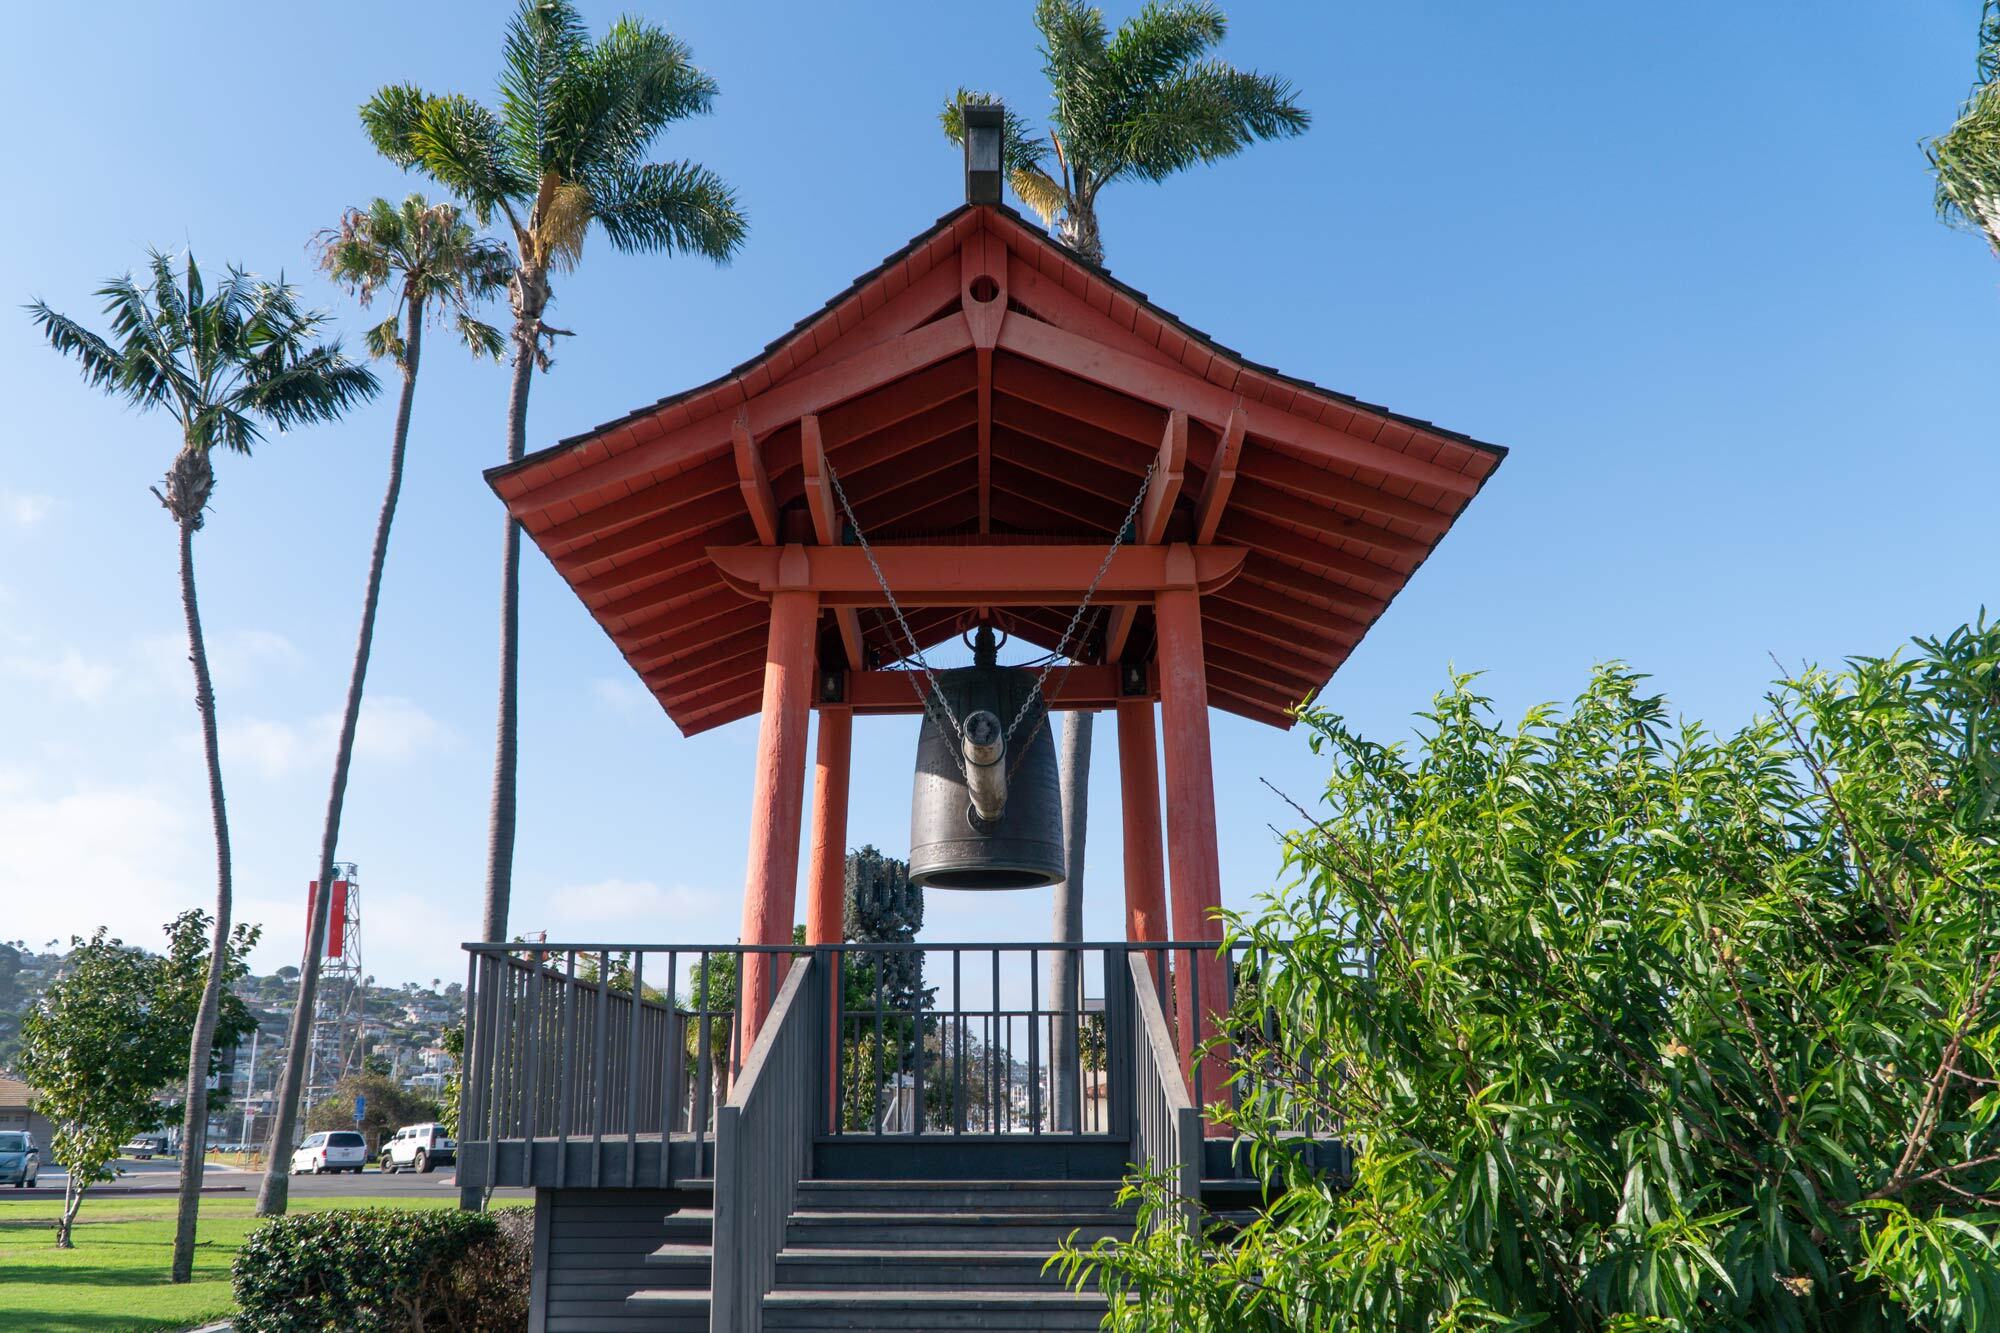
986	812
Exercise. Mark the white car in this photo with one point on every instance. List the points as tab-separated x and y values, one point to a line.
332	1150
419	1148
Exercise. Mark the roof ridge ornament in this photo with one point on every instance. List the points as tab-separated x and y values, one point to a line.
985	129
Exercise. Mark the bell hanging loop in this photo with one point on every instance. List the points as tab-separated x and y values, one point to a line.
985	747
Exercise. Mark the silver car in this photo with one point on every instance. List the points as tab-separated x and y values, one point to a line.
20	1159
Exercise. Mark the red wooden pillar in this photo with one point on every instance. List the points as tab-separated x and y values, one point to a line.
1200	992
826	890
1139	783
770	890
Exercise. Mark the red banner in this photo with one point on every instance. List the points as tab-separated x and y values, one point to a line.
336	921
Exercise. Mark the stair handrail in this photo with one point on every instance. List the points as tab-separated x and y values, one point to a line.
763	1147
1166	1127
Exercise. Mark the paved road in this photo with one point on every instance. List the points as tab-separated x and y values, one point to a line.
161	1173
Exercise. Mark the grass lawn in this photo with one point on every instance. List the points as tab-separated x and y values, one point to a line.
116	1277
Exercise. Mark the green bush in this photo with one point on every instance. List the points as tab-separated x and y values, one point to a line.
385	1270
1631	1025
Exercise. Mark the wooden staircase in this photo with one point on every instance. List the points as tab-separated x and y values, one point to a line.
905	1255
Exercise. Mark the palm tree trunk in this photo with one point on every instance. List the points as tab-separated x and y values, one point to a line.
500	838
1073	778
506	747
274	1196
194	1124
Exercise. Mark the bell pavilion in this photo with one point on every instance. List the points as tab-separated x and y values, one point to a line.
984	437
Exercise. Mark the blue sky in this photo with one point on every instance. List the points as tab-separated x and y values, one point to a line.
1688	270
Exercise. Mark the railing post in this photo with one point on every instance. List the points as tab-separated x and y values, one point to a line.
1118	1041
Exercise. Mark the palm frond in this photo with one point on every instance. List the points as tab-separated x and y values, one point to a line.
103	365
386	339
671	206
319	384
544	39
1965	160
391	118
480	338
1161	40
1076	59
1210	111
149	348
631	85
356	253
458	143
564	223
1040	192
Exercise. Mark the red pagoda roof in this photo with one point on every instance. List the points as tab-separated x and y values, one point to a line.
984	385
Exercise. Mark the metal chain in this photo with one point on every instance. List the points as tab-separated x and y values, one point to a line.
902	622
1059	659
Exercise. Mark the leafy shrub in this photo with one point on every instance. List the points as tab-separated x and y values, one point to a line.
385	1270
1631	1025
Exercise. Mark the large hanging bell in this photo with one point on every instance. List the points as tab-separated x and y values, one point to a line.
986	812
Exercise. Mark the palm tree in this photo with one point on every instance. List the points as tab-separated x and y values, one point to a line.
566	149
223	365
435	266
1966	158
1139	104
1142	103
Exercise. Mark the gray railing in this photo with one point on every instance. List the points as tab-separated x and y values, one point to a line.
570	1082
763	1148
1166	1126
559	1058
968	1039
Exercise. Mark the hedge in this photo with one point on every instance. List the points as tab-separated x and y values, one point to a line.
385	1270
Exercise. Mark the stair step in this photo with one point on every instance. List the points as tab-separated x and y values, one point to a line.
916	1270
988	1196
861	1308
690	1225
671	1310
981	1231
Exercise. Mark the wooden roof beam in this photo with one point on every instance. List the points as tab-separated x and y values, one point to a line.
982	267
754	482
1167	387
906	310
665	562
1253	496
1284	636
889	692
706	659
1221	478
717	474
681	587
1162	491
660	649
1250	530
1165	488
974	575
919	349
894	504
1317	483
671	525
1095	512
1053	389
820	501
1074	436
